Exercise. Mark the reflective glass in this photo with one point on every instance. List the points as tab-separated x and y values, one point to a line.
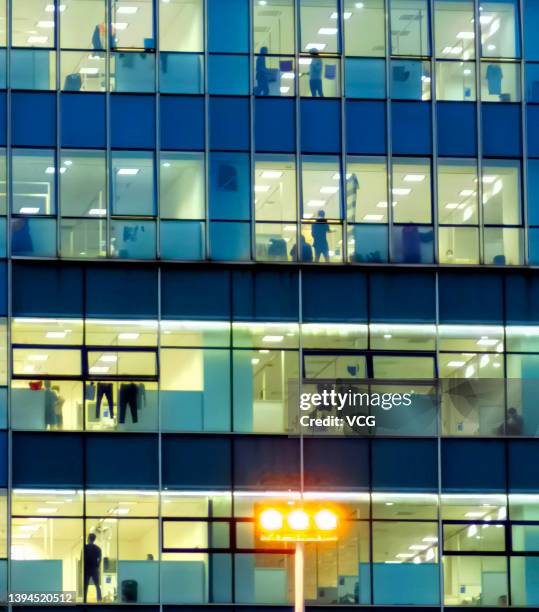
411	190
83	238
83	71
32	23
33	69
273	27
364	28
182	186
132	72
132	239
275	188
455	81
500	82
182	240
181	73
82	23
499	28
454	32
132	183
319	30
132	25
410	80
83	188
33	182
181	25
319	76
409	27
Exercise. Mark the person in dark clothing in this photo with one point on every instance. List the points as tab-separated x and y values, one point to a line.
262	76
92	562
320	230
315	74
514	423
306	250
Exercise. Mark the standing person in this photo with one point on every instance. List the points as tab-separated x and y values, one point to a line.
315	74
262	76
92	561
320	230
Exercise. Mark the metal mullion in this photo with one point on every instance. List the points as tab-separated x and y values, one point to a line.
434	141
157	118
252	167
207	245
108	154
478	102
523	204
298	156
389	152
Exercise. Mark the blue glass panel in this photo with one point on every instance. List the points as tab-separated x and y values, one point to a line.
531	25
533	246
3	77
228	26
413	244
133	72
181	73
471	298
366	127
532	82
133	239
35	237
82	117
409	79
533	191
230	241
228	74
33	69
368	243
365	78
229	186
182	240
462	471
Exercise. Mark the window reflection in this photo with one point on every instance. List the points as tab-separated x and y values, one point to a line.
454	29
273	27
409	27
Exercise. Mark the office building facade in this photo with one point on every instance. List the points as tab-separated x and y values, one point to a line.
204	201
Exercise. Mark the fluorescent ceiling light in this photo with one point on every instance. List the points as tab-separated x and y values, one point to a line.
47	510
373	217
485	19
29	368
405	555
88	70
128	171
346	15
381	205
330	189
56	334
255	361
305	61
97	212
485	341
45	24
126	10
418	546
109	358
263	351
262	188
456	51
49	170
50	8
488	179
401	191
128	336
317	46
456	364
465	193
29	210
430	539
307	215
38	357
328	31
388	337
284	90
359	5
261	2
120	26
272	338
314	203
467	71
474	514
452	205
271	174
414	178
465	35
491	47
99	369
289	228
288	75
37	40
119	511
68	162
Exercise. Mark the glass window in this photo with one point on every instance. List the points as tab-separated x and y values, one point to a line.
46	331
523	572
321	186
457	192
319	30
122	363
32	362
472	537
32	23
475	506
266	335
83	238
365	78
419	506
499	28
273	27
411	190
368	243
475	581
3	182
3	29
182	186
455	81
181	73
83	189
458	245
33	182
324	240
532	82
83	71
181	25
277	242
132	183
229	184
195	390
39	405
409	27
261	389
228	75
319	76
132	239
132	25
121	333
33	237
364	28
503	246
195	333
132	72
454	29
48	550
230	241
366	190
182	240
412	244
501	192
274	76
33	69
82	24
410	80
500	82
275	188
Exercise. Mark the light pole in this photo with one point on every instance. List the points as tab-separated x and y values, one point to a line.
305	522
